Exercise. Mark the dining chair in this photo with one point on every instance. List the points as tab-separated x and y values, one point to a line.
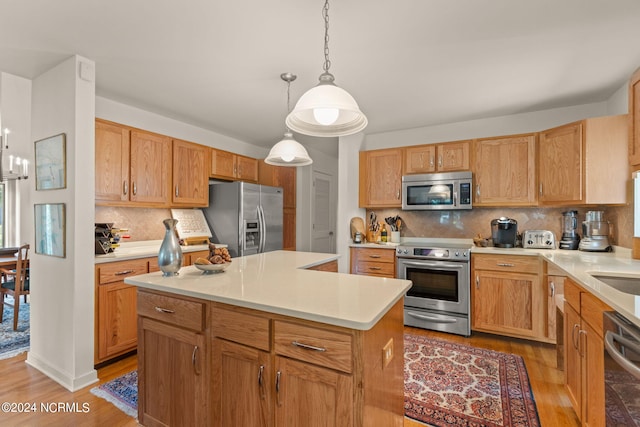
15	282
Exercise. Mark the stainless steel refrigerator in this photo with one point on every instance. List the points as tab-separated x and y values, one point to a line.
246	217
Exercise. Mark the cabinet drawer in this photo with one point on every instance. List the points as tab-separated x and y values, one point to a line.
242	328
374	268
591	310
177	311
117	271
376	255
572	294
318	346
522	263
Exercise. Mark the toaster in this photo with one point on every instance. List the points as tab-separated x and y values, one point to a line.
538	239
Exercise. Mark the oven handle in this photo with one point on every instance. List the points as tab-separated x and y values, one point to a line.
609	338
432	318
438	265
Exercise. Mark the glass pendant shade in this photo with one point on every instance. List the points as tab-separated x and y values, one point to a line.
288	152
326	110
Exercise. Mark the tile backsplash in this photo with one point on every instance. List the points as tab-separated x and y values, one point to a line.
142	223
468	224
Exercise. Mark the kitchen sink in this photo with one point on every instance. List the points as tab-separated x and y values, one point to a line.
624	282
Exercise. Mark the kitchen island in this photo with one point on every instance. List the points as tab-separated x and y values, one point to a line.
270	341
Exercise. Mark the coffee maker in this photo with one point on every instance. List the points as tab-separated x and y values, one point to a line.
570	238
595	233
504	232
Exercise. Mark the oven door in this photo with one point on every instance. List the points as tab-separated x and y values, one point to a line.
621	371
436	285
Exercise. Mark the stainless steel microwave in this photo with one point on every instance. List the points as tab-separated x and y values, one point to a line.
437	191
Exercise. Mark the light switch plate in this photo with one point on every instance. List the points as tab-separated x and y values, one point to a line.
387	353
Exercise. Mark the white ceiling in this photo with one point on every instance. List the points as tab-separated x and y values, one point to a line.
409	63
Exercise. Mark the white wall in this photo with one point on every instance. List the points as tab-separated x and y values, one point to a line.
62	289
15	114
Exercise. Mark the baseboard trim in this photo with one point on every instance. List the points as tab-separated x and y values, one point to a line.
65	380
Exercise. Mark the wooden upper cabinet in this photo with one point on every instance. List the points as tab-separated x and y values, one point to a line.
381	178
112	162
428	158
634	119
279	176
150	168
419	159
227	165
190	174
503	171
576	159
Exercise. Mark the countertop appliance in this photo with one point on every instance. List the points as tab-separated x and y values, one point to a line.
538	239
247	217
504	232
439	297
595	233
437	191
621	370
570	238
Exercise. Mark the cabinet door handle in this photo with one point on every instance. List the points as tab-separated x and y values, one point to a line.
504	264
123	272
375	268
261	381
431	160
135	189
581	347
375	256
553	289
440	160
478	190
307	346
540	190
193	360
125	187
422	160
278	388
477	282
574	339
163	310
177	191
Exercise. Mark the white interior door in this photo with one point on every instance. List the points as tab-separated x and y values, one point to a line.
324	214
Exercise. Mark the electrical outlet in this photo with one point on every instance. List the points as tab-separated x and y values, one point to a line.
387	353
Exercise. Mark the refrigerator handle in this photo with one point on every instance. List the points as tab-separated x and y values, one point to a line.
262	226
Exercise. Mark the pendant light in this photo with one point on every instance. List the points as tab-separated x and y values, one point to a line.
288	152
326	109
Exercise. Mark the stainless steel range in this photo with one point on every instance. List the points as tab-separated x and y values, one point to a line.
439	297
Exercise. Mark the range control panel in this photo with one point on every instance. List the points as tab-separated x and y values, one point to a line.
538	239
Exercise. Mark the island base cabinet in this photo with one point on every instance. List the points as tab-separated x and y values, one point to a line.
244	371
308	395
172	376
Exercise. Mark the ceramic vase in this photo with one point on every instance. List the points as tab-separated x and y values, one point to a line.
170	255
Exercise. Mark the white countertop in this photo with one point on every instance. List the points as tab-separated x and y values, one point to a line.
578	264
277	282
144	249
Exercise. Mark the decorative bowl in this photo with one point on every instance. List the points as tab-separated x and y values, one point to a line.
212	268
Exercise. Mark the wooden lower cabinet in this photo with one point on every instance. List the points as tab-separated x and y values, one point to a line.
508	296
115	308
373	262
306	392
584	353
207	363
173	361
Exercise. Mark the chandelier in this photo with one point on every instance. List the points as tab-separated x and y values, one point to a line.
18	167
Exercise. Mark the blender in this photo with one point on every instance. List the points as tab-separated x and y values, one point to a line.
570	238
595	233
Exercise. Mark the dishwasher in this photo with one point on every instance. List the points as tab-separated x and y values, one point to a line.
621	370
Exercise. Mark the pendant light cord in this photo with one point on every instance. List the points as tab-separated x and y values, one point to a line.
325	15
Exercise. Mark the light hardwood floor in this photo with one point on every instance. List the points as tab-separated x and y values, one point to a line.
21	383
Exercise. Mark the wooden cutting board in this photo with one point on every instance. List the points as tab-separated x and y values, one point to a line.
357	224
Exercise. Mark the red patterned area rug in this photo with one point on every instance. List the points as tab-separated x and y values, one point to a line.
451	384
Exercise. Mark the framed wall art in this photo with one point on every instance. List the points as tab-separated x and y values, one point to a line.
50	232
51	163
